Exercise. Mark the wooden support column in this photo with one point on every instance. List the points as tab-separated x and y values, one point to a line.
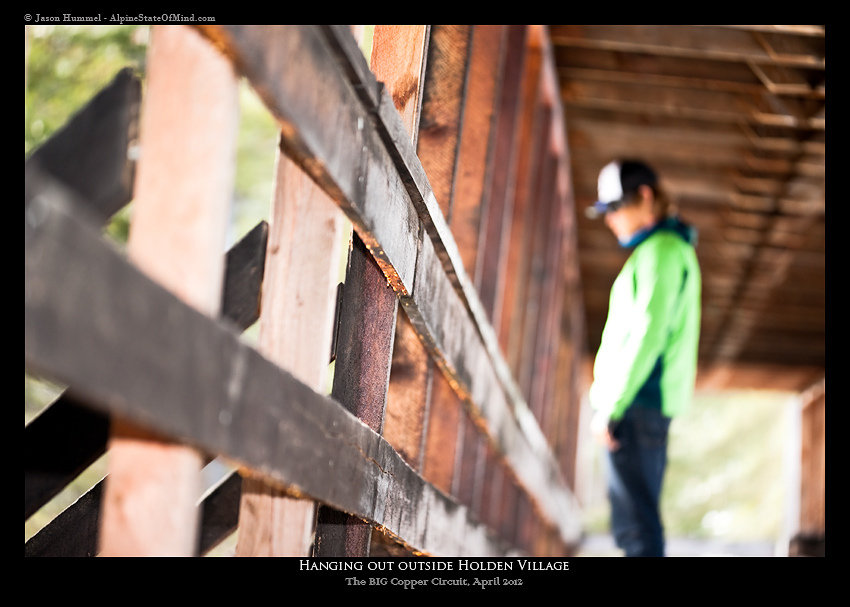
398	60
361	377
810	539
496	224
568	328
510	322
296	326
561	332
540	192
369	313
469	469
183	191
477	137
544	329
509	316
555	264
490	509
442	113
468	211
568	380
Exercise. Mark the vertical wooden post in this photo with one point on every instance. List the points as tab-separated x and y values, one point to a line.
183	191
509	322
539	191
545	255
471	196
398	59
442	114
469	211
546	360
296	327
811	537
496	225
370	308
568	374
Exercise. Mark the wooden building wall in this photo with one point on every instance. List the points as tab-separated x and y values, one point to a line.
451	425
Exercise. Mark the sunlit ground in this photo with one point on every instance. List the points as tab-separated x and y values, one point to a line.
725	491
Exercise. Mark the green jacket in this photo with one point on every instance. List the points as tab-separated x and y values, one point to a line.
648	353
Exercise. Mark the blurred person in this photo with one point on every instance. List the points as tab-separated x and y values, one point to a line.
645	368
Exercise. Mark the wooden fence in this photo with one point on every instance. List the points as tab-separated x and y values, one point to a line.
450	428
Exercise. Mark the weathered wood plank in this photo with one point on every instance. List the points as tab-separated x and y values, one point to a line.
296	329
441	439
243	277
528	149
365	342
182	197
398	59
226	400
58	445
442	113
537	222
469	467
496	231
535	355
363	378
565	390
569	373
409	395
813	462
91	154
401	198
442	108
470	204
73	533
554	393
68	437
549	334
220	512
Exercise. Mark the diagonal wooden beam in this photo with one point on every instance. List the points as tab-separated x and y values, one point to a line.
235	393
370	169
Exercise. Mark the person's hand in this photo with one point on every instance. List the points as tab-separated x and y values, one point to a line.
602	433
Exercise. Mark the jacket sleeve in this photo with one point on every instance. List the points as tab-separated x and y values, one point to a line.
658	275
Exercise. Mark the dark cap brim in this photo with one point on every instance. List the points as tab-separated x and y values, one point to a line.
598	209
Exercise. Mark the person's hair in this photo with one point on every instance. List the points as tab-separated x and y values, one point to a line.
635	173
660	200
661	204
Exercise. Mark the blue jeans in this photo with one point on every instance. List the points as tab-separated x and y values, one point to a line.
635	474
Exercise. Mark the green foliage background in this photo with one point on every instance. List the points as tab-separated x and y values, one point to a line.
67	65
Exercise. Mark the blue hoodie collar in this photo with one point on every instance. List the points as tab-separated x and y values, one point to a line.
687	232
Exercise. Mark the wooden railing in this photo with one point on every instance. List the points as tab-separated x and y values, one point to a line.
450	427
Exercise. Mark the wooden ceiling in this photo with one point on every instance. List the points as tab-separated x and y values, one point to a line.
732	117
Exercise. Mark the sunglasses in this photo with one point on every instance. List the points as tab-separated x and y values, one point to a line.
615	205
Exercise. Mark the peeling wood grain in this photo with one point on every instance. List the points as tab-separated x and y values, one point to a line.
391	175
181	206
305	442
